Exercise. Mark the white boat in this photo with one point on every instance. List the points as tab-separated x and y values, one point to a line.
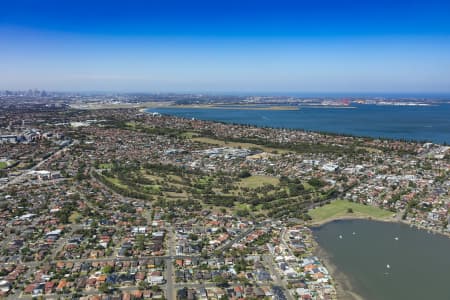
396	238
388	266
340	236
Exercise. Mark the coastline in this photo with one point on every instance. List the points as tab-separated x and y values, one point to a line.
342	283
394	219
387	220
253	107
428	230
237	107
344	288
346	217
291	108
328	106
140	106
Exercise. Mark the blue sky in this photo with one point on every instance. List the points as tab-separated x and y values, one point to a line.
226	46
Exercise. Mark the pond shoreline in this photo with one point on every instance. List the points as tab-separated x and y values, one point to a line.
387	220
346	285
344	288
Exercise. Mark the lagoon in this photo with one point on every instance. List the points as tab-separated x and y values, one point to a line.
419	262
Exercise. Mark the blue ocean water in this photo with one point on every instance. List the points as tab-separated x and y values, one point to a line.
418	123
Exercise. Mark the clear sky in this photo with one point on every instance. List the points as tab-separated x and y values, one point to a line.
298	46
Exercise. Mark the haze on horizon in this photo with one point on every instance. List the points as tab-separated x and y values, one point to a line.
226	46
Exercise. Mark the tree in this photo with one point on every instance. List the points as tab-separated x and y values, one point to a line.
108	269
156	288
220	281
143	285
242	212
105	288
244	174
316	182
193	236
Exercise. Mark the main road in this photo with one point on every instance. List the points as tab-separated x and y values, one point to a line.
268	259
171	243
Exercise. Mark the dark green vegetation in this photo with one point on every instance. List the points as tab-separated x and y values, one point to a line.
245	194
207	136
239	191
176	187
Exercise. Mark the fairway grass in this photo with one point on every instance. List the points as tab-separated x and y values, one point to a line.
74	217
338	209
256	181
105	166
189	134
238	145
117	183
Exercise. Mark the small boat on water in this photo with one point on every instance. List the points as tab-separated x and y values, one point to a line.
388	266
354	233
340	237
396	238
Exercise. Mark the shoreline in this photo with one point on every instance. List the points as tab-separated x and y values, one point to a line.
331	133
386	220
253	107
345	290
346	217
428	230
328	106
126	105
237	107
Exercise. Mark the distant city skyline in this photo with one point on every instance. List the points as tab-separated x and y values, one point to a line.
226	46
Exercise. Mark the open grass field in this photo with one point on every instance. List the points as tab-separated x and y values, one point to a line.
151	177
105	166
170	185
189	134
339	209
3	165
131	124
256	181
74	217
237	145
241	206
117	182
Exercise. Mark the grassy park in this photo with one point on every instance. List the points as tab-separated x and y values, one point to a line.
221	143
346	209
171	185
256	181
